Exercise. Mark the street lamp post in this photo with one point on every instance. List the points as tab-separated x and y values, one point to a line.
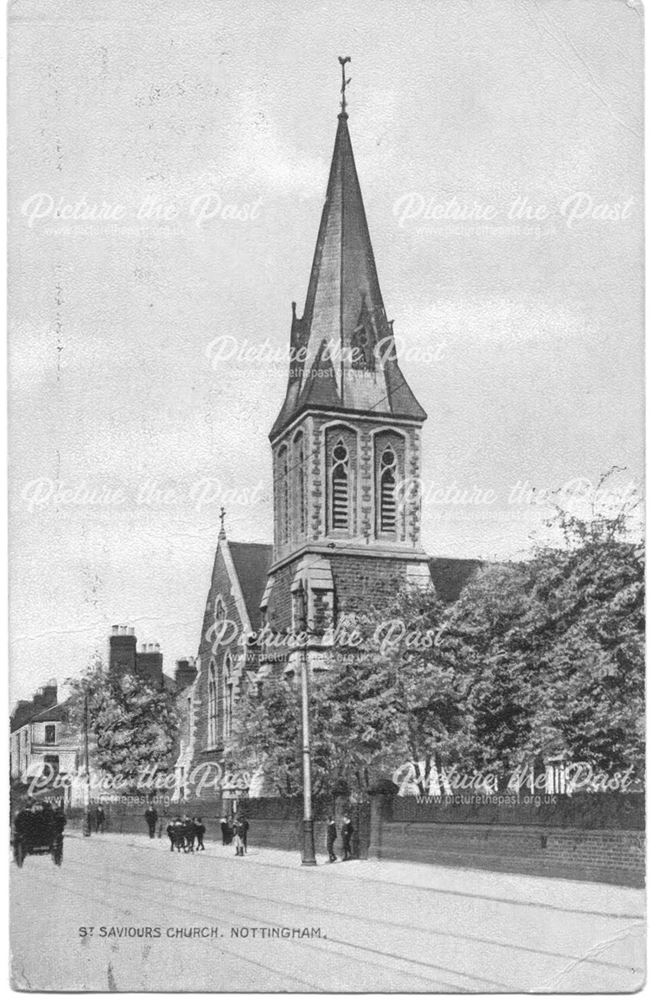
308	848
86	825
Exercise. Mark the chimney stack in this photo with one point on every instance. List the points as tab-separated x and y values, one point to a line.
185	674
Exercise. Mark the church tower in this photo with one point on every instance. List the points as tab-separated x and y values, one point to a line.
346	443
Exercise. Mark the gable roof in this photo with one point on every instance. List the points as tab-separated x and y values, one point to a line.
251	561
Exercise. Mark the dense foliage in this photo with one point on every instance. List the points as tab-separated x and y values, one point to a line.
132	726
536	659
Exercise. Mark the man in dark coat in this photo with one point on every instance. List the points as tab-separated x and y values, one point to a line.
331	837
100	819
226	832
172	833
151	819
347	834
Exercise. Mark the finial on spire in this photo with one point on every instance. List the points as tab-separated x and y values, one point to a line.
343	60
222	518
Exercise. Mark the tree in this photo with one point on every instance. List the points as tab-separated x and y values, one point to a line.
132	725
536	658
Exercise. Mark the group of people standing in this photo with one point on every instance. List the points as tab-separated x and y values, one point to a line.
347	833
235	832
186	834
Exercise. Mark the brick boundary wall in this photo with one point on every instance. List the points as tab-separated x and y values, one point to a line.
598	838
612	855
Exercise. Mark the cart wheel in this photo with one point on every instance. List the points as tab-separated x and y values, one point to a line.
19	854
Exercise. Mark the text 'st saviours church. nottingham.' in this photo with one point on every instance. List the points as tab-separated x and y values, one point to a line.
346	440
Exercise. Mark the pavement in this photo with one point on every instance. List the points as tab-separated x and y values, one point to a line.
124	913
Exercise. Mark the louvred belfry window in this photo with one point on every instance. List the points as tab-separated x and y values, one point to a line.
340	487
388	500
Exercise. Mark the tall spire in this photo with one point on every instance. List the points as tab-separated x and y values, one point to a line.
342	348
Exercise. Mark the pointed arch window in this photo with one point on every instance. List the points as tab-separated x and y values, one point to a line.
300	486
219	611
340	487
284	494
213	705
228	695
387	492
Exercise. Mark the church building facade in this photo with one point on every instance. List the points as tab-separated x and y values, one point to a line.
346	454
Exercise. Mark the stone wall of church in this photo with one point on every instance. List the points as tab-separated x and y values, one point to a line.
279	608
210	651
362	583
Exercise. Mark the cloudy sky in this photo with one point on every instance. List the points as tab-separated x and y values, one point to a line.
168	164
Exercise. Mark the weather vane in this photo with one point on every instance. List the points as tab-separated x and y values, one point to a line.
222	515
343	60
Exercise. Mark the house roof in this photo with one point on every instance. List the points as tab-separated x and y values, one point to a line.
344	319
56	713
25	711
251	561
21	714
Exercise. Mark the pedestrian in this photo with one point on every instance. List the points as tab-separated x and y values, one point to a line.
171	833
200	833
245	830
238	830
347	833
100	819
187	834
151	819
331	837
226	832
179	834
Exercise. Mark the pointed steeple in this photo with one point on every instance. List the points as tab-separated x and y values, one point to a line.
342	348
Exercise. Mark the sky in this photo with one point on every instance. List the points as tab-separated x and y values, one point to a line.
168	164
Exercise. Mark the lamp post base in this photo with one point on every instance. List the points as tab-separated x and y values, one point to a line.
308	853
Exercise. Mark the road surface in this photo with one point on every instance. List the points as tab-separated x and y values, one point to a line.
123	913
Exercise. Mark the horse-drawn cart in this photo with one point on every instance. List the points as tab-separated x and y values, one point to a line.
38	830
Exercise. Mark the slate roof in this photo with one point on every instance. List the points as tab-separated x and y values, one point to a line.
252	561
24	711
343	296
56	713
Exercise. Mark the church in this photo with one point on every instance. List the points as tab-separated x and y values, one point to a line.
346	456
